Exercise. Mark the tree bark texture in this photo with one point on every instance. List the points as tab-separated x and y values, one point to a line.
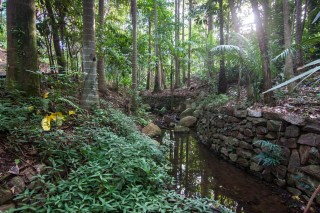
134	54
89	94
189	45
61	62
183	61
222	83
102	84
157	78
262	39
176	38
22	56
288	69
149	56
210	40
299	33
234	16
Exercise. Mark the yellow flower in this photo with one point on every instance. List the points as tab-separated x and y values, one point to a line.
72	112
46	95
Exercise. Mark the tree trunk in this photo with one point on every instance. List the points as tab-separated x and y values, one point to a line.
89	96
261	34
157	79
102	85
288	69
189	45
22	58
134	54
299	33
183	61
210	40
149	56
177	33
56	40
234	16
222	83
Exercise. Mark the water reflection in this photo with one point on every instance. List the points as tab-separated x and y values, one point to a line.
199	173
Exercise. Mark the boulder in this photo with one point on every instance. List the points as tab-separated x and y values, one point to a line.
254	113
244	153
7	207
242	162
151	130
292	131
240	113
197	113
245	145
258	121
313	170
188	121
288	142
261	130
313	127
255	167
272	116
187	112
294	191
5	195
310	139
233	157
248	132
294	162
274	125
17	185
304	152
295	119
181	129
280	171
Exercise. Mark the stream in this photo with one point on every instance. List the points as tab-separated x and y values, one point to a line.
199	173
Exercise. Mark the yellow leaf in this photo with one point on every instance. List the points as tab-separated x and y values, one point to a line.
71	112
45	95
45	123
31	108
57	117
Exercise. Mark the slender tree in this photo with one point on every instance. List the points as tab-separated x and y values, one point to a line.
189	44
222	83
235	19
157	79
182	39
176	41
102	84
262	38
89	94
298	33
61	62
149	54
210	39
288	69
22	56
134	53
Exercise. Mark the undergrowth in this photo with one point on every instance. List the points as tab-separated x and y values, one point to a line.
99	162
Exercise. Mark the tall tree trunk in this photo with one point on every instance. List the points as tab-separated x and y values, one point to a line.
222	83
157	78
149	56
234	16
89	96
298	33
183	61
262	38
134	54
177	33
210	40
189	45
102	85
61	62
22	56
288	69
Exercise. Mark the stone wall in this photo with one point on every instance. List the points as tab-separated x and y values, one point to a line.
13	184
233	134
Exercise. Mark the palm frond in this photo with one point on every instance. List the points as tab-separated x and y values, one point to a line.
309	72
227	48
316	18
284	54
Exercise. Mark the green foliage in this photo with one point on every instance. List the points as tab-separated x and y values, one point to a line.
271	154
214	100
12	116
111	168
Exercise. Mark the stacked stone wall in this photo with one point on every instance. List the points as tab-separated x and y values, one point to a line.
233	134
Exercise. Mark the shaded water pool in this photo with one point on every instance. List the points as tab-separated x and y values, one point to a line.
199	173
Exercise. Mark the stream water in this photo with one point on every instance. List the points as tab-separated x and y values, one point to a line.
199	173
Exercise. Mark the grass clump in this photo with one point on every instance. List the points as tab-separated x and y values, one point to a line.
111	167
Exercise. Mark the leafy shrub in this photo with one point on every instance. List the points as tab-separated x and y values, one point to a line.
271	154
111	168
12	116
214	100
